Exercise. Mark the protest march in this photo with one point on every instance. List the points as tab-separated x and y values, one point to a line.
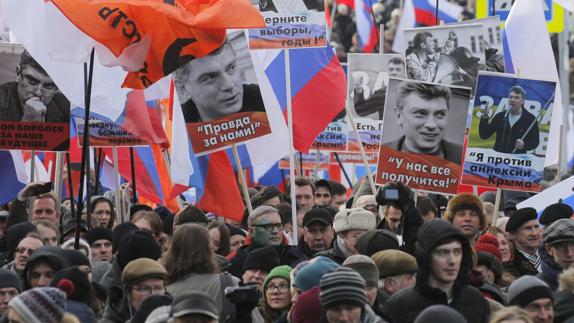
287	161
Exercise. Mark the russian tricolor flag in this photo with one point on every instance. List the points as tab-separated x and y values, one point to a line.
13	174
366	25
425	11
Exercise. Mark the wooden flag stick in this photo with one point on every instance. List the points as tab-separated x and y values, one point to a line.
242	180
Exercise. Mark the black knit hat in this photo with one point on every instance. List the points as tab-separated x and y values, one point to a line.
138	244
374	241
265	258
76	258
119	232
191	214
9	278
148	305
527	289
74	283
139	207
489	261
342	286
97	233
519	217
555	212
15	234
233	230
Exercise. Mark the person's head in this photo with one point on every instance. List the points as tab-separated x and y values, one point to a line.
524	229
310	275
422	112
304	193
194	307
219	234
367	202
465	211
427	208
75	282
103	211
397	270
25	249
236	237
510	314
368	270
554	212
42	304
258	264
489	266
48	231
534	296
42	266
323	194
189	253
265	226
350	224
141	278
318	230
214	83
516	97
277	294
396	67
339	193
269	195
393	217
424	41
191	214
148	221
34	81
10	287
504	245
44	207
343	296
440	313
100	241
374	241
119	232
137	244
488	209
559	242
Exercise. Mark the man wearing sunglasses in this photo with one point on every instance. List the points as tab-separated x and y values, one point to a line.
33	97
265	229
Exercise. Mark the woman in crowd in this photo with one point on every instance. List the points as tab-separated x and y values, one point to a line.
276	301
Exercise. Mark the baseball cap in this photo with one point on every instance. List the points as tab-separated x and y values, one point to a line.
317	215
194	303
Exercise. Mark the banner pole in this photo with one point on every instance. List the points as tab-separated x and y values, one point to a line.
493	7
343	169
71	187
167	161
133	168
291	147
118	196
316	169
242	181
475	190
496	206
32	165
436	13
362	150
58	177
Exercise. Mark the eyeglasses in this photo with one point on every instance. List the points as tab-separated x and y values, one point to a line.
32	81
270	226
102	212
147	290
282	288
23	250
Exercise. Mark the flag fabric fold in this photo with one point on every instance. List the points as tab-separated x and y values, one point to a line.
425	11
366	28
13	174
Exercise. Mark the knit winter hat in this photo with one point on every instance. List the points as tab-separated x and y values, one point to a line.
278	272
310	275
342	286
265	258
40	305
149	305
97	233
191	214
307	306
491	262
366	267
374	241
136	245
142	268
488	243
119	232
440	313
354	219
527	289
9	278
465	201
74	283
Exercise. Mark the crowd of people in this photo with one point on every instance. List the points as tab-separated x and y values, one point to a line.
358	257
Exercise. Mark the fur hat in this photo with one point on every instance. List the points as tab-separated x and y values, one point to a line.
465	201
354	219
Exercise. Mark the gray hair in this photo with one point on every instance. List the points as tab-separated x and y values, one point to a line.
259	212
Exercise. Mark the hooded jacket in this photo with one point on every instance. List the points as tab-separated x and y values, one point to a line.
407	304
118	307
550	269
53	256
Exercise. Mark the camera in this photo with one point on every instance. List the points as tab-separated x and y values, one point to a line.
243	294
41	189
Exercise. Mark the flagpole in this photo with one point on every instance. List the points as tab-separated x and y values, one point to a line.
362	150
32	165
291	148
343	169
316	168
333	12
133	168
563	75
58	177
98	163
496	205
85	164
71	187
301	174
493	7
242	178
437	20
118	196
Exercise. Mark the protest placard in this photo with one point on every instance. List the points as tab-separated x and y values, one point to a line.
423	135
352	158
509	130
450	55
106	134
308	161
333	138
34	114
290	24
221	99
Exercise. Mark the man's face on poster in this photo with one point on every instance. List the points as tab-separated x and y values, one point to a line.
215	84
396	70
33	83
423	121
515	100
429	45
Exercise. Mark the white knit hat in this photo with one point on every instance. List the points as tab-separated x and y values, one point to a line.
354	219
